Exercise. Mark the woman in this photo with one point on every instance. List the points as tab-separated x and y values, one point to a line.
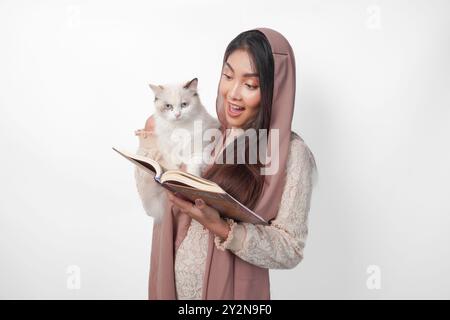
196	254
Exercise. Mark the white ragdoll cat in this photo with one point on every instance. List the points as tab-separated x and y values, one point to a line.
177	108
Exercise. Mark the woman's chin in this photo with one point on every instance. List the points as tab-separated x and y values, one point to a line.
235	122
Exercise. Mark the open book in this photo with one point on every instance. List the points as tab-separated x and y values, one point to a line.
191	187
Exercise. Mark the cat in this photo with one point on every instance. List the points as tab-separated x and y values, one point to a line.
178	109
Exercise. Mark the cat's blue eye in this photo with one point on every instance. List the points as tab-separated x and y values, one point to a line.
168	106
184	104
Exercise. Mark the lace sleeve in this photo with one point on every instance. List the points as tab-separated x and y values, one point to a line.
279	245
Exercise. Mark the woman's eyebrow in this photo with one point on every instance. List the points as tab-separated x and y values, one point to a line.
245	74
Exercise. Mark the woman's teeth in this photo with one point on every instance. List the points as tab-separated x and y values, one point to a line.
234	110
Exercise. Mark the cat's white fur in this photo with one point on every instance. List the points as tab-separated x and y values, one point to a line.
167	146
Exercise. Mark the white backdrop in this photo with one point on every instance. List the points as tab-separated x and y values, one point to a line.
372	103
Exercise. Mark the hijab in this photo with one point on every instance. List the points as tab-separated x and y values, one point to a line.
226	275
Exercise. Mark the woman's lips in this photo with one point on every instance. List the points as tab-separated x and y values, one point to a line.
234	111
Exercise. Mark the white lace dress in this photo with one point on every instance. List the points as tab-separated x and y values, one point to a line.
276	246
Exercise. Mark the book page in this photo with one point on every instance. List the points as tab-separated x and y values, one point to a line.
147	164
190	180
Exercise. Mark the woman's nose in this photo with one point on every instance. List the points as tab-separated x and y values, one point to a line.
234	93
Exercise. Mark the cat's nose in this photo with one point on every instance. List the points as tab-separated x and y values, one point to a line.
177	115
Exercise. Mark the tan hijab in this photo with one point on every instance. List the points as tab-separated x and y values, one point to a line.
226	275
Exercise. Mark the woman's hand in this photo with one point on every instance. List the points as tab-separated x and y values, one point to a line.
204	214
148	129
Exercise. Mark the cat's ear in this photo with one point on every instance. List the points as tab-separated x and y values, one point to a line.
156	89
191	84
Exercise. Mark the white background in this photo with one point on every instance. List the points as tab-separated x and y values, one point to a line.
372	103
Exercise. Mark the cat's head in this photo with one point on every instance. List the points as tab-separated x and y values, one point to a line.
176	102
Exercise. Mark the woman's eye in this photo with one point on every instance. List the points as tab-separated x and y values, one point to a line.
251	87
168	106
227	76
184	105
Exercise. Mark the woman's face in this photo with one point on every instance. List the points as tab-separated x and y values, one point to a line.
239	88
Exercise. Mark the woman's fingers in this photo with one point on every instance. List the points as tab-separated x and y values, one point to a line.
182	204
199	211
199	203
150	124
143	133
